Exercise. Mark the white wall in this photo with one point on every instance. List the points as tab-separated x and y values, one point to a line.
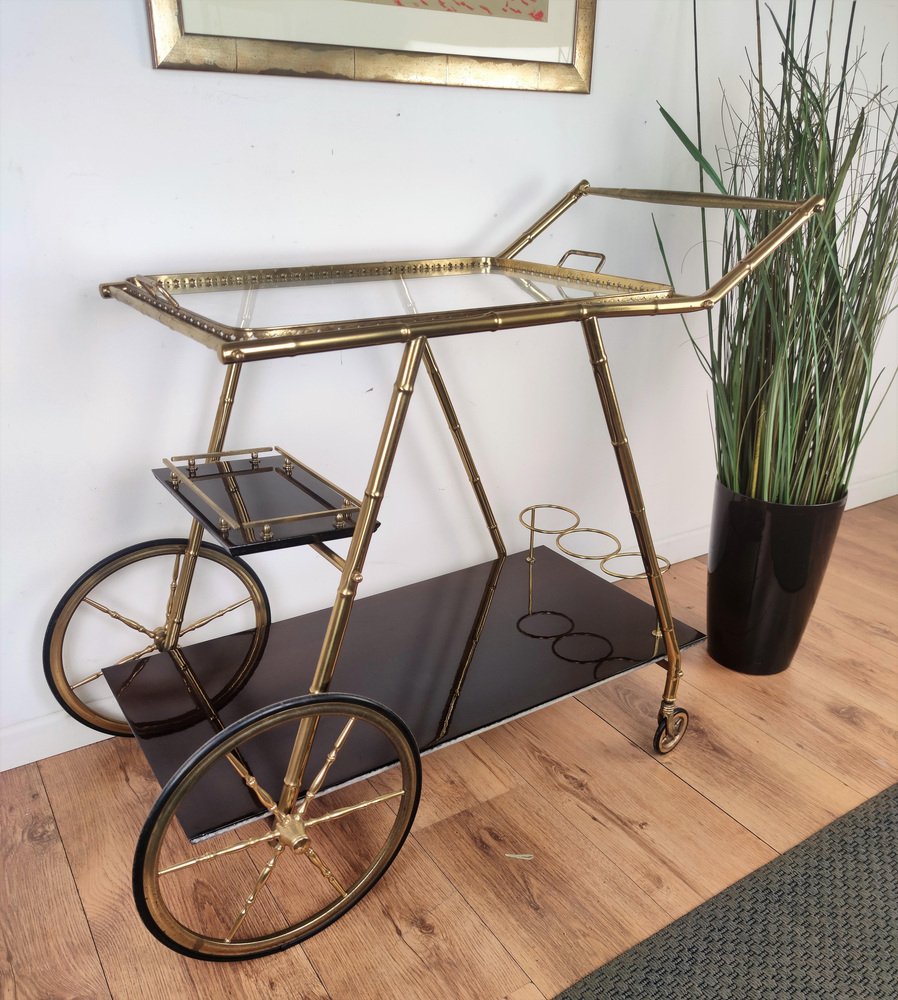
111	168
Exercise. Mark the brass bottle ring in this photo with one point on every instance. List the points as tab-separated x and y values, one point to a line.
593	531
663	566
533	508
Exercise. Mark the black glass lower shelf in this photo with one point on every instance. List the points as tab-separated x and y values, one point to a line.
451	656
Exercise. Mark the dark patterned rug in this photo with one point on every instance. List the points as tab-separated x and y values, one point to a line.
819	921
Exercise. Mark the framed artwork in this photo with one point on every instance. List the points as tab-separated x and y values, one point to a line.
543	45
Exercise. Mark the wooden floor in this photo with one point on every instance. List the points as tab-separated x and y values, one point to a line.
622	842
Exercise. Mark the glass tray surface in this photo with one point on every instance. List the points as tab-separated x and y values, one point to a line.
306	295
255	314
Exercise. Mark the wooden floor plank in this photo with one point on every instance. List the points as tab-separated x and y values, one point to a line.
857	611
460	776
101	796
885	510
626	813
831	653
872	560
528	992
776	793
559	913
862	673
849	742
47	949
414	936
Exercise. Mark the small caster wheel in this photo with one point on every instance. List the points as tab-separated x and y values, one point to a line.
671	731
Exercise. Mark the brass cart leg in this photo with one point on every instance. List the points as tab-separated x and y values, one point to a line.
175	616
178	602
351	575
672	721
464	451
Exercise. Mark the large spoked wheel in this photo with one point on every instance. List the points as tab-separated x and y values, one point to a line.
115	614
267	883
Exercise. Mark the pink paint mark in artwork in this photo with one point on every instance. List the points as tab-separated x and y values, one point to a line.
537	15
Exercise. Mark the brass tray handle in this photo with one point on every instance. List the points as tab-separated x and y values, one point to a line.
799	213
600	257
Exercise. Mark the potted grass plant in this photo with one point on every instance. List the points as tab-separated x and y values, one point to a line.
790	354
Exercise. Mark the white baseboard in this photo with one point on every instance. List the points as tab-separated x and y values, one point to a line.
871	490
57	732
46	736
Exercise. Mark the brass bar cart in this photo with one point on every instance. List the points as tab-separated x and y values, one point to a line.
281	821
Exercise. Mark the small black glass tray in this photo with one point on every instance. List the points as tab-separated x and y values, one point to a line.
261	501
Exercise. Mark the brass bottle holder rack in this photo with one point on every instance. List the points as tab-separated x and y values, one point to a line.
602	650
281	760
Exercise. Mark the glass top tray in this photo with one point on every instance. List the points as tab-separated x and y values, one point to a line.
396	301
299	309
405	288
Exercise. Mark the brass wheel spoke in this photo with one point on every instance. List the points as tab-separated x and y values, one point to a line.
200	622
118	663
318	781
249	779
257	888
346	810
134	656
87	680
309	852
118	617
233	849
75	648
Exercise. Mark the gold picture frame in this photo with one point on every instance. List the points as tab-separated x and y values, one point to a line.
175	48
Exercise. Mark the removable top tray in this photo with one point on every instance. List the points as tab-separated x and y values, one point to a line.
258	499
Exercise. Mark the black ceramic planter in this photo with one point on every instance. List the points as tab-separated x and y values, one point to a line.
765	565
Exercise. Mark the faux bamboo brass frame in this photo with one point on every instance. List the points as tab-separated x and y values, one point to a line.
614	297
